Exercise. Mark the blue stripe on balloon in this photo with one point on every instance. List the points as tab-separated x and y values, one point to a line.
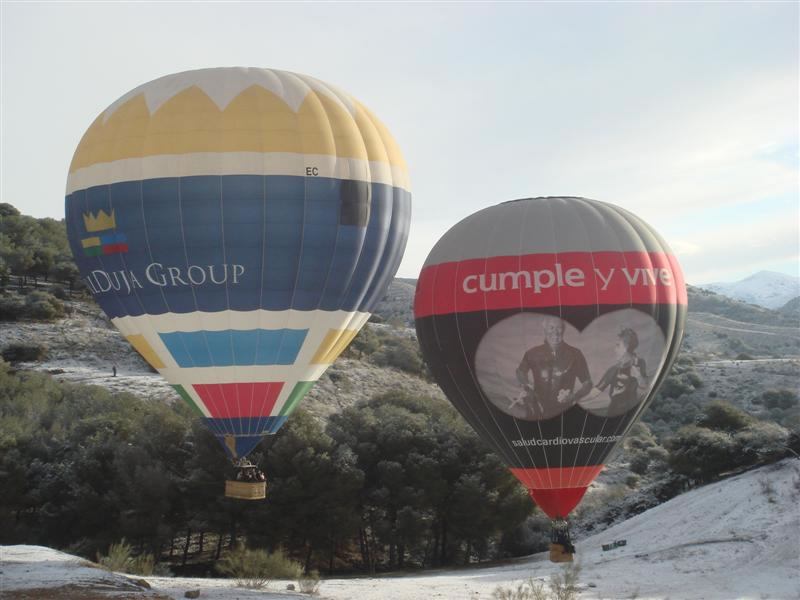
113	238
288	236
390	252
247	432
234	347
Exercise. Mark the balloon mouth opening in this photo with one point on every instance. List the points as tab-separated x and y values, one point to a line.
557	491
557	503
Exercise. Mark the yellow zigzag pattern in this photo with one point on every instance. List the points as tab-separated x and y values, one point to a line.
257	120
99	222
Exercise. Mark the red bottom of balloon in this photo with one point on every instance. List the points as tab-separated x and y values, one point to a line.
557	503
557	490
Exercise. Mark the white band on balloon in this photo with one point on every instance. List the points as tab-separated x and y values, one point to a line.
241	320
237	163
319	323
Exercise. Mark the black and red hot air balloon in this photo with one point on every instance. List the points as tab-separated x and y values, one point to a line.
549	323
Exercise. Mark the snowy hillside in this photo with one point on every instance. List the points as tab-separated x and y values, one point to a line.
735	539
84	348
765	288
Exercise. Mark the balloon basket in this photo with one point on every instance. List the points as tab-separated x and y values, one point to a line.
561	547
558	554
246	490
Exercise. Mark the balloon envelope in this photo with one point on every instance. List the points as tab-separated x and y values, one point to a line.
238	226
549	323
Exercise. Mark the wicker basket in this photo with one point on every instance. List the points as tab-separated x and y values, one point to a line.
246	490
558	554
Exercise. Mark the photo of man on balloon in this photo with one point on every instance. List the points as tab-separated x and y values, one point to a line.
553	372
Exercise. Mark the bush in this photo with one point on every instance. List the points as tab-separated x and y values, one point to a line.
640	437
531	536
674	387
738	346
401	353
724	416
143	564
364	344
5	274
779	399
23	353
43	306
121	560
527	590
59	292
700	453
767	489
761	441
256	568
118	559
658	455
309	582
11	308
693	379
562	586
639	462
601	504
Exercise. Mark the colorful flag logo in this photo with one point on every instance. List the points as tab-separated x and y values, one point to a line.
110	242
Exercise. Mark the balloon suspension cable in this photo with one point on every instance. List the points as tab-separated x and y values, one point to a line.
559	534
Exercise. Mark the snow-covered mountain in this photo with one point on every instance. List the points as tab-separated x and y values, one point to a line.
765	288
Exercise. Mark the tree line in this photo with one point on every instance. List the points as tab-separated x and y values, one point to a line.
34	249
393	482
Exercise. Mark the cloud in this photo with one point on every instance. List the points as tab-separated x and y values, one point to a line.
736	250
668	154
683	248
422	238
694	146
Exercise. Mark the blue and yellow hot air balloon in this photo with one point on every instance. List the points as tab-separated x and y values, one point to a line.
238	226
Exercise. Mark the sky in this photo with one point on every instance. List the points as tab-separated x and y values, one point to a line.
685	113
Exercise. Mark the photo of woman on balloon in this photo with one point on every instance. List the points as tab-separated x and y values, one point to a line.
626	380
624	348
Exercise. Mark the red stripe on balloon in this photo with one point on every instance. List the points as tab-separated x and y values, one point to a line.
232	400
558	503
557	490
536	280
556	477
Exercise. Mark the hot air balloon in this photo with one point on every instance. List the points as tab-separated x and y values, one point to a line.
238	226
549	324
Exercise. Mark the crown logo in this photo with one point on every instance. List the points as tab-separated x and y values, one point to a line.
99	222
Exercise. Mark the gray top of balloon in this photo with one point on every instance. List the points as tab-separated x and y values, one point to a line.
546	225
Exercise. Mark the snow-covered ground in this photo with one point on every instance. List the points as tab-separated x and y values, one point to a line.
735	539
85	347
